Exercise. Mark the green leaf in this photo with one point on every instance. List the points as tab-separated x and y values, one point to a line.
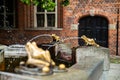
65	2
45	4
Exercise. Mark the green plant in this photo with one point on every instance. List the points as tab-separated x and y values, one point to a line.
45	4
65	2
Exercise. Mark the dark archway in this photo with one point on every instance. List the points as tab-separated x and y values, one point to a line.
95	27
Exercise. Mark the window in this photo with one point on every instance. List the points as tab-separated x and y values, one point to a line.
7	14
44	18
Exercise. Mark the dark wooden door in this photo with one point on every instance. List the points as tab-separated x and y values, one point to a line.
95	27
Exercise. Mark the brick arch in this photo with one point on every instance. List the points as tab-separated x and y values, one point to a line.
78	14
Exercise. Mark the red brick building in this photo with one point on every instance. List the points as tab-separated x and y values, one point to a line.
96	19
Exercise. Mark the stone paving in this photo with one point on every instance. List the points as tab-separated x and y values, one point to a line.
114	72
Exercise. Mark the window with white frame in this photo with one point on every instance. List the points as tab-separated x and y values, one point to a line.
44	18
7	14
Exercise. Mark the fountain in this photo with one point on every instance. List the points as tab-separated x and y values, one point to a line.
39	61
39	65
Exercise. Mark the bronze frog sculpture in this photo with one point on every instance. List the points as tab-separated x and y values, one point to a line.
89	41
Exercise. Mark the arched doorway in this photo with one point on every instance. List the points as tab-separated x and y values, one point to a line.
95	27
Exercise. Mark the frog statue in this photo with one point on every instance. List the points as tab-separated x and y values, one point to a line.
37	56
55	37
89	41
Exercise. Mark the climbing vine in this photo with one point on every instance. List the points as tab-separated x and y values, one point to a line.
45	4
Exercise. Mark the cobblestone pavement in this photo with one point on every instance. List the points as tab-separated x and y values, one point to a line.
114	72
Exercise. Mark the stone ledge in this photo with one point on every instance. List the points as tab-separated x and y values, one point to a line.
89	69
95	52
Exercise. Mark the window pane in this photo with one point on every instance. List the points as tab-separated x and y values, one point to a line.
9	21
40	20
1	9
1	24
9	5
1	2
1	6
51	20
39	9
7	13
1	21
46	18
1	17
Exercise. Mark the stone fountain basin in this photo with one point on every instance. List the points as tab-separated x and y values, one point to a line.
89	68
95	52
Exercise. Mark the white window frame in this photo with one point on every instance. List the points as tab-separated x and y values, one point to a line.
45	24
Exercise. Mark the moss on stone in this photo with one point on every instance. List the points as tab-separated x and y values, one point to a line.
115	60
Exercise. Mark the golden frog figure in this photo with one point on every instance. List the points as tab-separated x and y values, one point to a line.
37	56
89	41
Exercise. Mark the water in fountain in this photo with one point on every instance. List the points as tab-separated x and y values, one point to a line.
38	36
44	35
74	41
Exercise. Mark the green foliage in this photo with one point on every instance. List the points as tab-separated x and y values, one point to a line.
45	4
65	2
48	4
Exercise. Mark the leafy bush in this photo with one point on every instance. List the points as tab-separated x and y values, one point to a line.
45	4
